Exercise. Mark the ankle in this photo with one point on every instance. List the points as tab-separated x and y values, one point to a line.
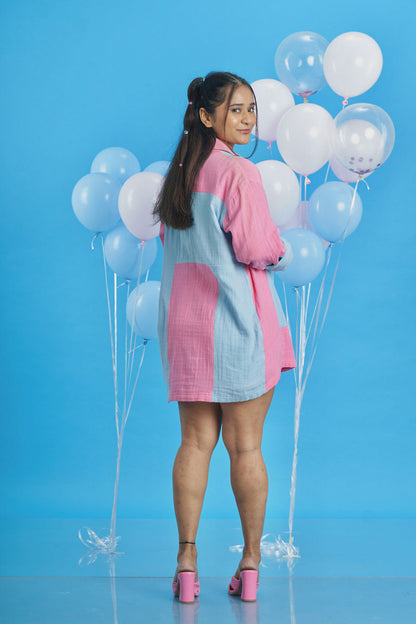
251	557
187	550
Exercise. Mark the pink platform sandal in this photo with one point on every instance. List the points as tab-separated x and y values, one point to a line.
246	586
186	588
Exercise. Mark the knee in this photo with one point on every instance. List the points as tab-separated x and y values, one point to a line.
237	444
203	443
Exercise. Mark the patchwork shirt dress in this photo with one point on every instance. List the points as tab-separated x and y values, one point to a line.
223	336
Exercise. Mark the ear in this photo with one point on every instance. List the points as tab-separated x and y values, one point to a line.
205	117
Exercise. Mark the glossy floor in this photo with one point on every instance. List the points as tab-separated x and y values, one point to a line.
350	571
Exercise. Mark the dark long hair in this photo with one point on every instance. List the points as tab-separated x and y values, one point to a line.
174	204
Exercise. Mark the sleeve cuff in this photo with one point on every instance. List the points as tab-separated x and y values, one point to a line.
284	261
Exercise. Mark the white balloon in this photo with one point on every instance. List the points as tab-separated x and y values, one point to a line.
359	145
352	63
137	198
273	100
305	137
282	189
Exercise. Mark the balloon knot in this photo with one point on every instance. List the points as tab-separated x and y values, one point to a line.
307	181
345	102
269	145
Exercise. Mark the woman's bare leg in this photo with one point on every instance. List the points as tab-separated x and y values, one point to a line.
201	426
242	431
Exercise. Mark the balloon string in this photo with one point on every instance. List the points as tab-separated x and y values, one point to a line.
133	320
318	302
327	172
125	354
111	339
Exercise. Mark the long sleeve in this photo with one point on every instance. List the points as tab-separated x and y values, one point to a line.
255	237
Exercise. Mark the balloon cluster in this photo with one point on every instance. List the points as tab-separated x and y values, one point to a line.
116	199
354	144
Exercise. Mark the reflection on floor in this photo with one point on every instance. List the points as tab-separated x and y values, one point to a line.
348	573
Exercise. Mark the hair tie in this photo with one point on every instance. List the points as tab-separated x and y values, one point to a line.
189	103
186	131
180	164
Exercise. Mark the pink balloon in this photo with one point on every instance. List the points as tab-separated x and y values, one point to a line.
136	201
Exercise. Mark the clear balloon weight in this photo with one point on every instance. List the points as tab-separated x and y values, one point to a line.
282	189
123	253
308	257
333	213
116	161
299	62
142	309
273	100
95	201
364	137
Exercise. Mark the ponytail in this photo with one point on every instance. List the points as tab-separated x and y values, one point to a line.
174	204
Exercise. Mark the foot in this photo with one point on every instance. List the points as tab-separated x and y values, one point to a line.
187	560
248	562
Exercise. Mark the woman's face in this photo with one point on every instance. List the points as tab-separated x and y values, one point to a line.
239	121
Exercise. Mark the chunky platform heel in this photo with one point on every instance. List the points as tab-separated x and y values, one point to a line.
186	588
249	585
246	586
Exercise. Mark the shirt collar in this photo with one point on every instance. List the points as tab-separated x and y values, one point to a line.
220	145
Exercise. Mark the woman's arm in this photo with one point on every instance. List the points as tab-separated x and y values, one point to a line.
255	237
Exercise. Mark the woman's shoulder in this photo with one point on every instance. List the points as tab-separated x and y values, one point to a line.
234	167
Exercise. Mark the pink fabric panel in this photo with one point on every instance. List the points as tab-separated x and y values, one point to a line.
255	237
190	331
288	355
162	233
269	323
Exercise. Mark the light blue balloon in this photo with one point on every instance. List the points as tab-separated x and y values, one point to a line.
299	62
123	252
117	161
330	211
160	166
143	308
308	257
95	201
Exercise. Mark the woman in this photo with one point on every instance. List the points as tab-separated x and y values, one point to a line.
222	334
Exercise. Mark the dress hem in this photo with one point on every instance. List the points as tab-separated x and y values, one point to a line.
247	396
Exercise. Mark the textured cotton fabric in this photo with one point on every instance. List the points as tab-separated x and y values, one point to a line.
223	336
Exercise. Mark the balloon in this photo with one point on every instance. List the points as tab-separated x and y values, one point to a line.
364	137
343	173
282	189
331	209
300	219
160	166
95	201
304	137
123	252
299	62
142	309
352	63
308	257
273	100
138	196
116	161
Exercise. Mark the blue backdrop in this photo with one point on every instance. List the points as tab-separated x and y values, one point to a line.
78	77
